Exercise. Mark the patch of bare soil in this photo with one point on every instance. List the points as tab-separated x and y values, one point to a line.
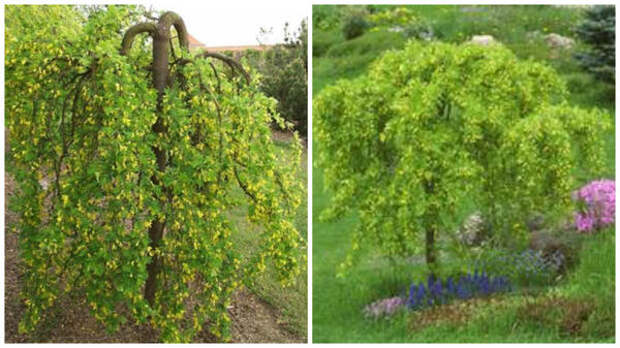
70	321
568	314
453	313
254	320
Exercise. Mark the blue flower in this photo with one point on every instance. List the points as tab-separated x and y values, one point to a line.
437	292
484	286
450	288
461	292
431	280
411	301
420	294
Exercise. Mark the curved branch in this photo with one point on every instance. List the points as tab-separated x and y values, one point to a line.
130	35
243	186
172	19
233	64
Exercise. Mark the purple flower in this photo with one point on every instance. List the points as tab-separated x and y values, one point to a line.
431	279
450	286
420	294
411	302
385	307
461	292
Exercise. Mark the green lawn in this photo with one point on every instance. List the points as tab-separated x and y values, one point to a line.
588	291
292	301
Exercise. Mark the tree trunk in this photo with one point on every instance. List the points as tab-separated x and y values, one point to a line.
430	230
431	260
160	77
160	34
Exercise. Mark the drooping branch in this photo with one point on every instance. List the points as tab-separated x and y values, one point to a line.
243	186
169	19
131	34
233	64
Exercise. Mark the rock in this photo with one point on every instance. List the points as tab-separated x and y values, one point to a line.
541	239
483	40
558	41
558	248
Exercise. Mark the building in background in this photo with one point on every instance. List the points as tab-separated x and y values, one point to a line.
234	51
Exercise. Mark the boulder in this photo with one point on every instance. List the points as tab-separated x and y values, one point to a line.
483	40
558	41
558	248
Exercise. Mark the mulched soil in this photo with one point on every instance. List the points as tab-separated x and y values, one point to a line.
253	320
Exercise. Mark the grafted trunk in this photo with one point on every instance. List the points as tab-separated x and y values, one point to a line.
160	34
160	76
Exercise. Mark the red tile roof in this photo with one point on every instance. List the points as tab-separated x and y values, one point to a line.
193	42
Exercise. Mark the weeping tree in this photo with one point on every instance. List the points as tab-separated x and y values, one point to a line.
129	153
435	128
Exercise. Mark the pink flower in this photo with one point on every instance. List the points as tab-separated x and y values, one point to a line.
598	201
385	307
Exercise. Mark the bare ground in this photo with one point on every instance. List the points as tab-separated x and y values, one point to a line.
253	320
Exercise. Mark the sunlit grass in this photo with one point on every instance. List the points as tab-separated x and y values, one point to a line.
292	301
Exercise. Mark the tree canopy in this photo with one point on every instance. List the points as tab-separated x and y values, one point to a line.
435	126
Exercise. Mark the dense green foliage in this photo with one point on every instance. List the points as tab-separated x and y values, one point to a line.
435	125
284	68
81	118
598	31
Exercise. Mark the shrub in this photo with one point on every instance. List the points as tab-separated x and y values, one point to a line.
528	267
354	22
419	30
598	32
285	77
597	202
434	126
144	167
404	20
563	240
325	17
397	16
